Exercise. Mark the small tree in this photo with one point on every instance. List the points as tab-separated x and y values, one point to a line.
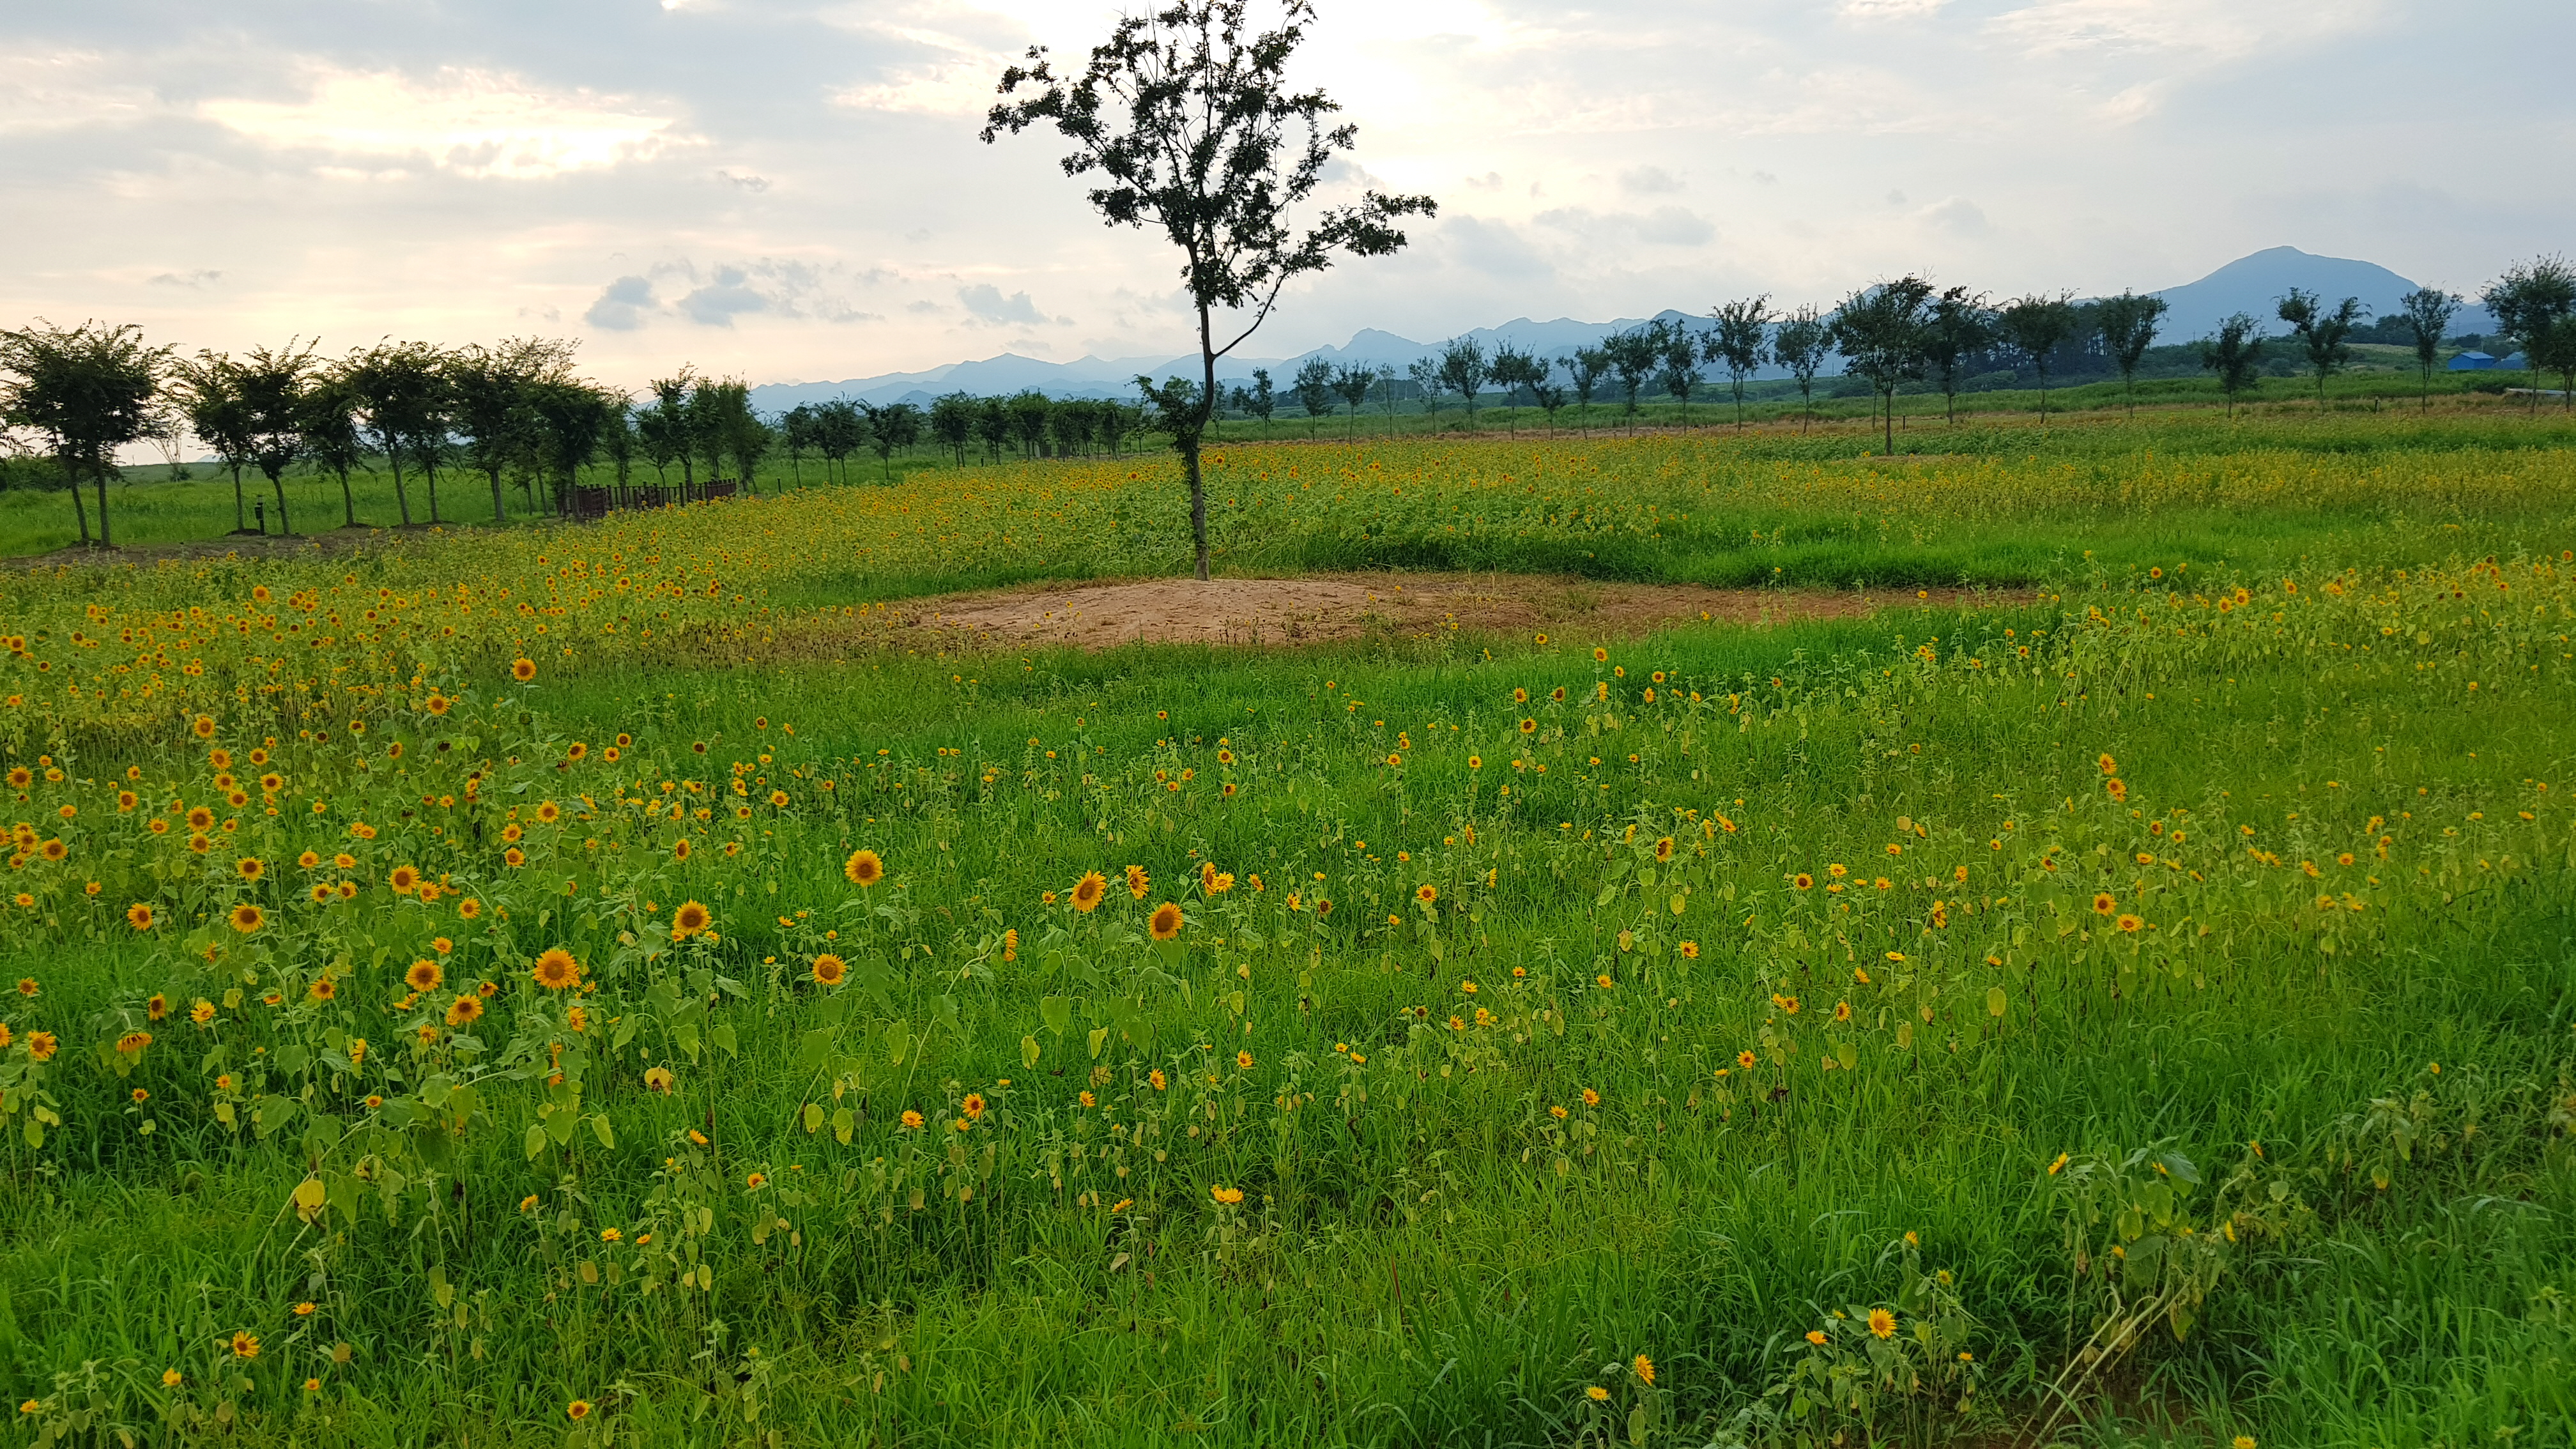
841	430
1881	332
1738	344
1464	370
1185	114
1591	364
2036	326
882	432
1424	374
491	386
331	436
272	387
210	396
2128	322
2233	354
992	426
1678	366
402	393
1028	408
2321	332
1351	383
571	419
1069	424
1800	344
1957	326
1634	355
796	435
2530	301
88	390
1511	370
2427	313
1547	392
663	428
1111	422
618	441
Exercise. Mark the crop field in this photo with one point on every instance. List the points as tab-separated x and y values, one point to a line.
628	985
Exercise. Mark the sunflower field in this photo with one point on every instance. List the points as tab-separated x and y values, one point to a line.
626	985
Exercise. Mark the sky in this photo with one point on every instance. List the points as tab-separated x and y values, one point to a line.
793	190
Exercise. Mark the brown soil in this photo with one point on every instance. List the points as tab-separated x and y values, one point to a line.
1344	606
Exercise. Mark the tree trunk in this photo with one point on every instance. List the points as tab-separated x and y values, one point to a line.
277	483
1889	418
80	510
106	533
241	514
1190	448
402	499
348	502
498	516
431	473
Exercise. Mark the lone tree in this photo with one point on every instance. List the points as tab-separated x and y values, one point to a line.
1956	328
1881	332
1737	344
2532	301
2036	326
88	390
2128	322
2427	312
1185	117
2233	354
1800	344
2321	332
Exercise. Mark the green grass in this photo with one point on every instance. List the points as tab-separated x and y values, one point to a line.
1441	1260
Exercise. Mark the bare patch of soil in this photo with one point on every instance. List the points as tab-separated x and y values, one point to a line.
1327	607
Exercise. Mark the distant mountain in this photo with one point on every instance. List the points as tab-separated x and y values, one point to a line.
2254	285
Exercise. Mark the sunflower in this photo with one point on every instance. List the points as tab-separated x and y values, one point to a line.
139	916
1426	893
247	918
1166	922
1689	950
1882	1324
578	1410
1591	1098
2103	905
1137	881
1747	1060
1088	890
830	970
1529	726
863	868
469	908
659	1079
548	812
464	1011
912	1120
201	819
1804	881
1664	848
245	1345
404	879
973	1106
425	975
523	670
689	920
1645	1368
2129	924
556	969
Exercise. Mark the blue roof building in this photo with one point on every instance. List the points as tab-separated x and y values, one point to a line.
2472	362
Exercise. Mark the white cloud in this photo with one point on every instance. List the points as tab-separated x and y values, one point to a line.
470	122
985	301
61	90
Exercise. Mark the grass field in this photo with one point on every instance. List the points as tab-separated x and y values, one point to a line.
620	985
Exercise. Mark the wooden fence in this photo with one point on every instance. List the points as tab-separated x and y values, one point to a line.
586	504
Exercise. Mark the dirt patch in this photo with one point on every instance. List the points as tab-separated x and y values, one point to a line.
1327	607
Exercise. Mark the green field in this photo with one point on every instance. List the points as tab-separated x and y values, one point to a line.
2149	989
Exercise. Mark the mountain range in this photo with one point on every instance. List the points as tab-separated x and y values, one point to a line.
2250	284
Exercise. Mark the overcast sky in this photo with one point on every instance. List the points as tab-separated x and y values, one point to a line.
793	190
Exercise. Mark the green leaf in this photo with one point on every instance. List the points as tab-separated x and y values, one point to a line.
1029	1051
536	1142
1057	1013
815	1051
1994	1001
721	1037
898	1040
600	1129
813	1116
1099	1036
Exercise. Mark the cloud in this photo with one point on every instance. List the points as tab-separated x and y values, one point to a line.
985	301
193	281
622	305
62	90
728	297
1959	217
1649	181
1493	248
473	123
745	180
1674	227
